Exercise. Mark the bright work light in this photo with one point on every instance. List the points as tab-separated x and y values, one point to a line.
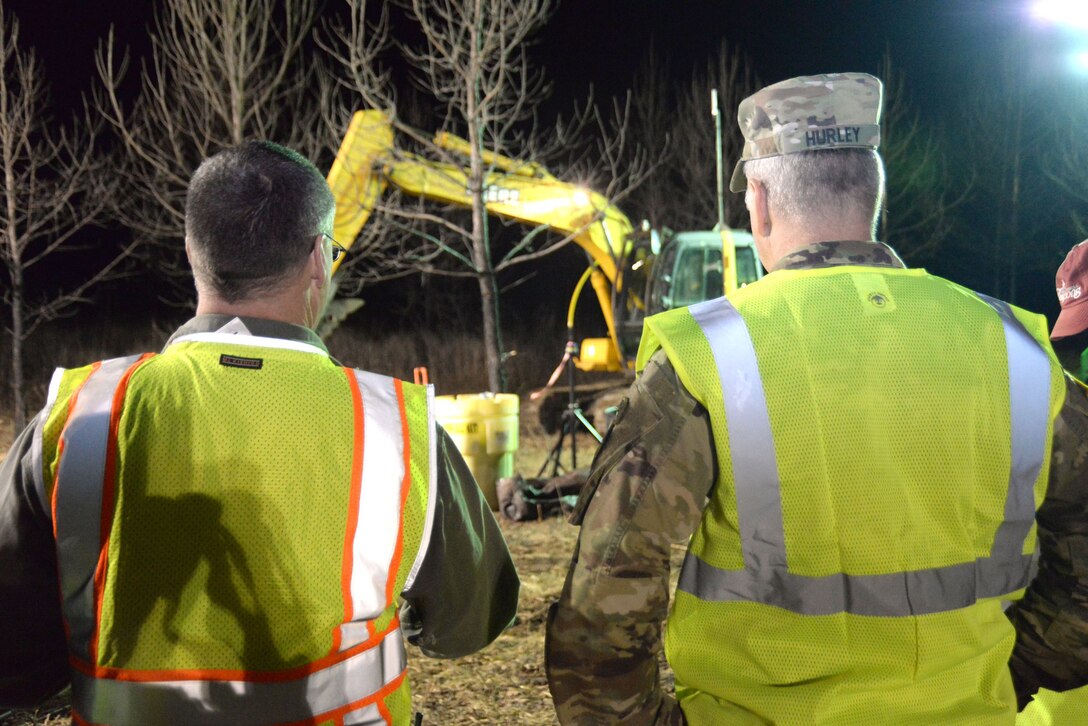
1070	13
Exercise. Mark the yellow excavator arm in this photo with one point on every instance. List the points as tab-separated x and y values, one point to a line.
368	162
354	183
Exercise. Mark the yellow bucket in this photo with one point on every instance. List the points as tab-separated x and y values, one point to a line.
484	426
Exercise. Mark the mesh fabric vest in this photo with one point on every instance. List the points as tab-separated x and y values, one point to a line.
239	554
872	506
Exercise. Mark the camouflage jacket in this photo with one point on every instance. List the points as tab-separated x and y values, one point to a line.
646	491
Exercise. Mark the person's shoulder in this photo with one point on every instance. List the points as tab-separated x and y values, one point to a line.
1076	395
659	375
67	381
659	393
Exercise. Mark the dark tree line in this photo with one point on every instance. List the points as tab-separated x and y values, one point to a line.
993	195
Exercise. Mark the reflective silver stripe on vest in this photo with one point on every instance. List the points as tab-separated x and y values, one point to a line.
116	702
36	455
78	495
368	716
1029	411
432	490
379	515
766	578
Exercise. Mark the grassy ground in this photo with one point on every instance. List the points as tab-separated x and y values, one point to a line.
504	683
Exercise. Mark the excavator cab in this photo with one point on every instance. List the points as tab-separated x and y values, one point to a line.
693	267
673	270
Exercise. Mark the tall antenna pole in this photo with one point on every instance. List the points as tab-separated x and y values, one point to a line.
718	153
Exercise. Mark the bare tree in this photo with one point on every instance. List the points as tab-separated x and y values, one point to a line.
683	193
473	64
356	43
474	61
219	73
922	192
54	186
1065	162
652	125
694	165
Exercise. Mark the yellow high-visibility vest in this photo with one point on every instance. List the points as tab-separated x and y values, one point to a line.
235	521
883	439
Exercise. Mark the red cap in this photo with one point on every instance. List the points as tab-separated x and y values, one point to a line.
1072	284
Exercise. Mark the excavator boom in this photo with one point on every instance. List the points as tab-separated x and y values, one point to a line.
368	162
697	265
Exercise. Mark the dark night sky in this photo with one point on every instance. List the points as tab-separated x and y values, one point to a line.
934	42
603	41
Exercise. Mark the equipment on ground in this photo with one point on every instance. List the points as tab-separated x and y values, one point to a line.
484	426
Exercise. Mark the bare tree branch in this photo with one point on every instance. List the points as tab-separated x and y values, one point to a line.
219	73
675	121
55	184
921	191
472	59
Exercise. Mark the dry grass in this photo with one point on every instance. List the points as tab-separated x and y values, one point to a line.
452	354
7	435
69	343
505	682
53	712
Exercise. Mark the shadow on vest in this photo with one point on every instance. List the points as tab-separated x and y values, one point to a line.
210	579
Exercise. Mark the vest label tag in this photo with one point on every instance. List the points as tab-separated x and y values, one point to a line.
235	361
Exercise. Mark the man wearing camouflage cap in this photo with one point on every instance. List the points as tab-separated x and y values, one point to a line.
856	451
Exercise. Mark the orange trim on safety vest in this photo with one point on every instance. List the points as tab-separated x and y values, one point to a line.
384	711
339	713
353	504
108	487
405	486
127	674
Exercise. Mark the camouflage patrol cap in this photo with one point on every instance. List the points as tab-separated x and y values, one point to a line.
1072	286
832	111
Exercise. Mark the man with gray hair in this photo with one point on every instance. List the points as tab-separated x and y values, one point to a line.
854	453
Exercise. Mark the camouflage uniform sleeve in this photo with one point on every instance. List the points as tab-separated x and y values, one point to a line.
1052	619
646	490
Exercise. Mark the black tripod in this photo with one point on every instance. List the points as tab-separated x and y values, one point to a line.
573	418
